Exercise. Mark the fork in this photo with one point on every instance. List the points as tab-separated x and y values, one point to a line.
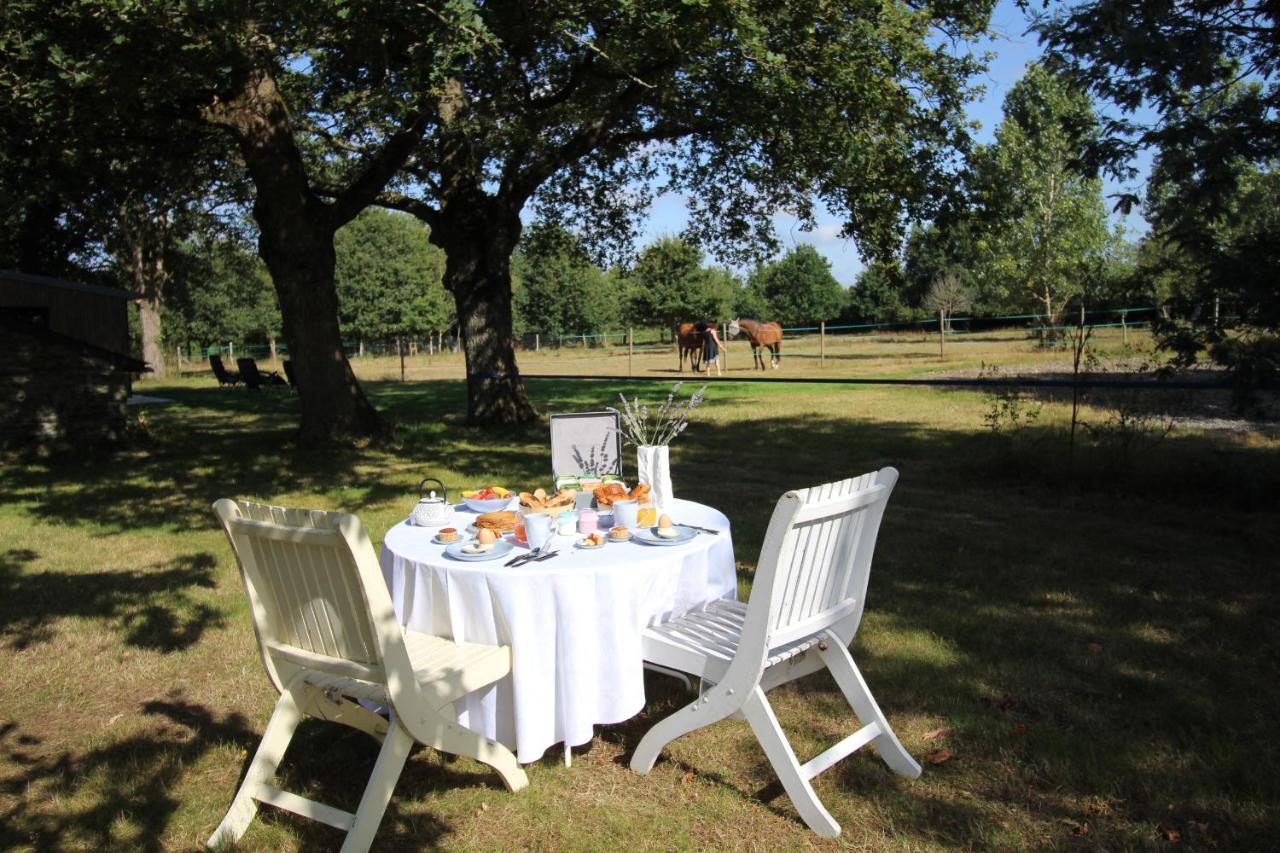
525	558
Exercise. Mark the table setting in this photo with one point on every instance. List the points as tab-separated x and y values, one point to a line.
568	576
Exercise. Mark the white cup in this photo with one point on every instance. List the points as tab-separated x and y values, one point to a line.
626	513
538	528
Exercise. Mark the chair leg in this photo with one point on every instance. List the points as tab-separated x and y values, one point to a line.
453	738
382	782
845	671
764	723
275	740
702	711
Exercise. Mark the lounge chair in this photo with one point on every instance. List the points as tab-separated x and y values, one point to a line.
254	379
224	376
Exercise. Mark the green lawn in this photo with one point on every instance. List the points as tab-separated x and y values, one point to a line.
1081	652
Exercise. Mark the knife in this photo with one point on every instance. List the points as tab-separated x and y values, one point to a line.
700	529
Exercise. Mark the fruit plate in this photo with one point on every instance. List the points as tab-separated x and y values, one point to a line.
501	548
479	505
649	535
582	543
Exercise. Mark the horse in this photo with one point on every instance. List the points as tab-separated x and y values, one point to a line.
689	342
759	334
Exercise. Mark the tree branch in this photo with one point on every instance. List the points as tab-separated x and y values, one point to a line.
361	192
408	204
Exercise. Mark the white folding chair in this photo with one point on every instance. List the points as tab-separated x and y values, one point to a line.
805	607
329	638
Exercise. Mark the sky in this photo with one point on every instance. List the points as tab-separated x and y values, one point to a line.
1014	49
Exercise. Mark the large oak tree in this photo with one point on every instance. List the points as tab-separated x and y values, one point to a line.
748	109
463	113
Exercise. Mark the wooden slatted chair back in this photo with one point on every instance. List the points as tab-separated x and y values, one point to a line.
316	592
816	560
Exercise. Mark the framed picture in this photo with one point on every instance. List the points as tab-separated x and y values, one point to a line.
586	444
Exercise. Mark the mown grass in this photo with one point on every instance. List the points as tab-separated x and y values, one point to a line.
1097	644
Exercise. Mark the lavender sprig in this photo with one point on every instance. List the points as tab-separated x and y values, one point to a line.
672	418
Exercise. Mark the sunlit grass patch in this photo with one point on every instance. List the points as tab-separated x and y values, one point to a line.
1077	655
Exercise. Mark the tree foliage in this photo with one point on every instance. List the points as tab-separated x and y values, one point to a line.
561	291
1176	60
878	295
1041	230
799	288
389	278
220	291
669	284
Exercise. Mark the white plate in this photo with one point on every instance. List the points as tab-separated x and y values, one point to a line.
501	548
579	544
649	536
463	536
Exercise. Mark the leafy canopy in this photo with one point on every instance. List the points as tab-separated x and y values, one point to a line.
388	277
799	288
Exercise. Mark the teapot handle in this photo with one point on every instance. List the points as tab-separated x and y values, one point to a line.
444	493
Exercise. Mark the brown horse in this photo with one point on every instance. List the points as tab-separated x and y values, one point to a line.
768	335
689	342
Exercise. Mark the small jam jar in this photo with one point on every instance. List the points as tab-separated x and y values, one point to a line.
567	523
588	521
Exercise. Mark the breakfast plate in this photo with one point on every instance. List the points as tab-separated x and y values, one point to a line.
501	548
649	535
463	536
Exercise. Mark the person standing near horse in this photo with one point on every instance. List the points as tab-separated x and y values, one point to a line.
710	348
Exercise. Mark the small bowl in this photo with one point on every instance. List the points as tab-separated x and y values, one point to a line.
494	505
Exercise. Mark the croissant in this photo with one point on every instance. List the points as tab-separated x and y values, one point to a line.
609	492
640	492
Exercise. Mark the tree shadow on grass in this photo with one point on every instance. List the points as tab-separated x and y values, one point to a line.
122	795
152	605
1079	648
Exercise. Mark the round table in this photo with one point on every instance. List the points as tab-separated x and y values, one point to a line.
573	622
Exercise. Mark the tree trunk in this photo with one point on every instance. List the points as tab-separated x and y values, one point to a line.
295	240
149	326
478	237
139	248
333	406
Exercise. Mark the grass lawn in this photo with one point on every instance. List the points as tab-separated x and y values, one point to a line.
1080	652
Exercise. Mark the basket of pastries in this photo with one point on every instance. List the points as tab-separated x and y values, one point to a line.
539	501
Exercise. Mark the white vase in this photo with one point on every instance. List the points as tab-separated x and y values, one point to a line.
653	467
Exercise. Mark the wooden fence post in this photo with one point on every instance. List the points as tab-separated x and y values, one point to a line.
537	341
822	343
630	353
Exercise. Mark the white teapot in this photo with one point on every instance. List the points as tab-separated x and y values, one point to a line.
431	511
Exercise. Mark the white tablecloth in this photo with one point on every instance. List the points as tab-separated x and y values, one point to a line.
573	622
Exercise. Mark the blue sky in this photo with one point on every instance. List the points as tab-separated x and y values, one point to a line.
1014	49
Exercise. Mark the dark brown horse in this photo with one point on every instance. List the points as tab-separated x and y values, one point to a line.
768	335
689	342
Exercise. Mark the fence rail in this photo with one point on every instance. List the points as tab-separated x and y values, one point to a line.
650	339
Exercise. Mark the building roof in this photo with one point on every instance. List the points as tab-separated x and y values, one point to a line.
120	362
62	284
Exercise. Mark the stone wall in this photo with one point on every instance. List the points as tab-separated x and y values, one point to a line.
58	394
